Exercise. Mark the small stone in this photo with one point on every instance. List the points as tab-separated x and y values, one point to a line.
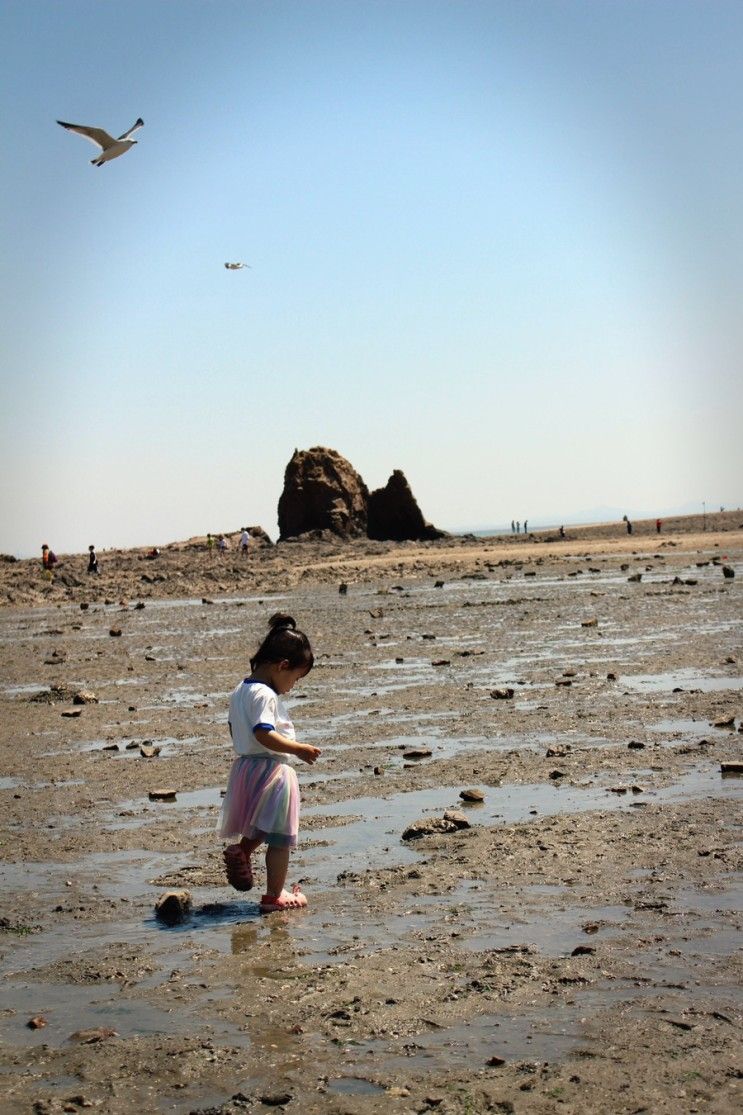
418	753
731	767
204	600
558	752
495	1062
556	774
502	694
583	950
728	572
441	662
635	745
139	606
564	683
37	1022
589	622
84	697
378	771
90	1037
115	632
438	584
635	578
472	795
724	722
611	677
148	751
399	661
456	818
163	795
343	589
84	606
73	712
173	907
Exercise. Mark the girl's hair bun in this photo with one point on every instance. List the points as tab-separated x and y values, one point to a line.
281	620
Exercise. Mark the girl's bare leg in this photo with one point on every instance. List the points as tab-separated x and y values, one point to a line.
249	846
277	868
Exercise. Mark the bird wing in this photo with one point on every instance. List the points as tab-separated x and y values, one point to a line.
236	266
95	135
139	123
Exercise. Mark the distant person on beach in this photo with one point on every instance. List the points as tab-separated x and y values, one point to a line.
518	526
209	544
92	560
222	545
244	542
562	532
658	525
525	525
152	554
261	804
629	526
48	558
513	527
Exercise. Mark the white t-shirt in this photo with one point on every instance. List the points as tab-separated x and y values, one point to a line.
244	538
255	705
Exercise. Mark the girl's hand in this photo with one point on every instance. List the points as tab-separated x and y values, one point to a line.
307	753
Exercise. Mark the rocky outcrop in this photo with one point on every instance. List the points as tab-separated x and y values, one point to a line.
394	514
322	492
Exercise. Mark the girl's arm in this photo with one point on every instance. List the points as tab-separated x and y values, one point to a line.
274	741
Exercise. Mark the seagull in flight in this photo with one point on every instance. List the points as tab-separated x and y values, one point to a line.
110	148
236	266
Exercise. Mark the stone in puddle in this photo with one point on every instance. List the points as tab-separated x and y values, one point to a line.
495	1062
173	907
418	753
732	767
37	1023
636	745
502	694
725	722
90	1037
148	751
427	826
472	795
73	712
728	572
163	795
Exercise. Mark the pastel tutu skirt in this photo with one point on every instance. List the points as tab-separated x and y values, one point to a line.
261	801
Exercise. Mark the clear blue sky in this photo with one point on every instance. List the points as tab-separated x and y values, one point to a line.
497	245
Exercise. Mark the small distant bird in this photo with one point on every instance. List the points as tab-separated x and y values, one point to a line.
110	148
236	266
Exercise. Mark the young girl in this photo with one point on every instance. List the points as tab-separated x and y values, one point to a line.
262	798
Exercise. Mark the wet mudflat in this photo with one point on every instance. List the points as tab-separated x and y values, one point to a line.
576	948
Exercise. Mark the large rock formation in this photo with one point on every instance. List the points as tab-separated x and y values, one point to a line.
322	492
395	515
324	496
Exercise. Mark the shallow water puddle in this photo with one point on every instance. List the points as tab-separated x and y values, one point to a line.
680	679
363	842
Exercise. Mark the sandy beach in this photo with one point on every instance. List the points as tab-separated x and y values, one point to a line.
569	943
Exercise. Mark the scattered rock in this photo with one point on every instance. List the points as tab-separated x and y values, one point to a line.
451	821
583	950
472	795
115	632
173	907
418	753
589	622
90	1037
37	1023
556	774
73	712
635	745
495	1062
438	584
635	578
163	795
148	751
564	683
611	677
441	662
728	572
276	1099
502	694
724	722
343	589
557	752
732	767
84	697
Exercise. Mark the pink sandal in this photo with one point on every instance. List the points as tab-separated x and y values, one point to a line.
284	901
239	870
